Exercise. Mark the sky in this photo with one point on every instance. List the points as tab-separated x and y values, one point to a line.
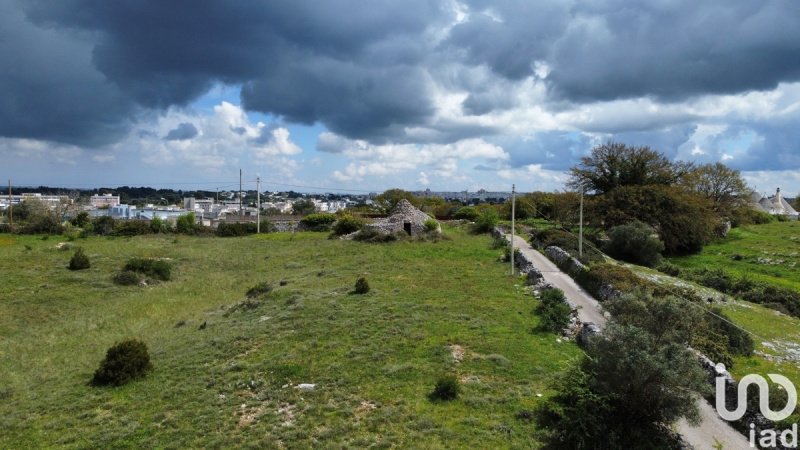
364	96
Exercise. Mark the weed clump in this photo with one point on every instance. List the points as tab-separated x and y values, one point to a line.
446	389
127	278
154	268
124	362
259	290
554	310
362	286
79	260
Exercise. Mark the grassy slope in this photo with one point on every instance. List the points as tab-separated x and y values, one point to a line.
775	241
374	357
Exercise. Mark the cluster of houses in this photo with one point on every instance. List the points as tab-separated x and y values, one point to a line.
775	205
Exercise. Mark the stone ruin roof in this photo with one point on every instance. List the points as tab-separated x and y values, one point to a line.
404	212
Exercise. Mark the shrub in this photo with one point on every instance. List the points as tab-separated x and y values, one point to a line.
155	268
186	224
127	278
42	223
636	243
124	362
369	234
235	229
619	278
486	222
567	242
431	225
81	220
79	260
668	268
446	389
318	221
347	224
103	225
132	228
158	225
553	310
259	290
466	213
714	278
362	286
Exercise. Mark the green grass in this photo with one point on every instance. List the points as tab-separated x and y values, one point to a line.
374	357
777	241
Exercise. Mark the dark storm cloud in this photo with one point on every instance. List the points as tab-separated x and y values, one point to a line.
183	132
79	71
603	50
49	90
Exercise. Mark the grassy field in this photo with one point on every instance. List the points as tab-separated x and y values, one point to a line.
769	252
435	308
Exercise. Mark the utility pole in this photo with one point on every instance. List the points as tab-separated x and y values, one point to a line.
513	213
10	208
258	205
580	229
240	194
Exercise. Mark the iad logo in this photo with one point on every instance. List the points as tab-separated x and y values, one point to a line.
763	400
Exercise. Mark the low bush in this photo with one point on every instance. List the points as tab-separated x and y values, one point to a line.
668	268
124	362
553	310
362	286
466	213
79	260
369	234
132	228
446	389
612	275
635	243
259	290
347	224
127	278
186	224
775	297
485	222
318	221
154	268
235	229
158	225
431	225
103	225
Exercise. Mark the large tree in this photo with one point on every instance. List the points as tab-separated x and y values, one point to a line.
614	164
724	186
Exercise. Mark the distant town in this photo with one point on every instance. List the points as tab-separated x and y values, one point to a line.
212	207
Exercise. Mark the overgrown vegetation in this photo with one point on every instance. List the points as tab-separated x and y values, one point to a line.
485	222
79	260
553	310
636	243
362	286
318	221
235	229
542	238
447	388
346	224
155	268
124	362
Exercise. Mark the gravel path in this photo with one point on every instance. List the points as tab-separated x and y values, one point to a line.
712	430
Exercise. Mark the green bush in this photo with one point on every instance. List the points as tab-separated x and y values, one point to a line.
466	213
668	268
103	225
636	243
486	222
132	228
618	277
154	268
158	225
369	234
566	241
127	278
446	389
553	310
235	229
362	286
186	224
82	219
259	290
124	362
318	221
347	224
431	225
79	260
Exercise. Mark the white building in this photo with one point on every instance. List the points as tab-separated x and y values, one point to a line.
104	201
